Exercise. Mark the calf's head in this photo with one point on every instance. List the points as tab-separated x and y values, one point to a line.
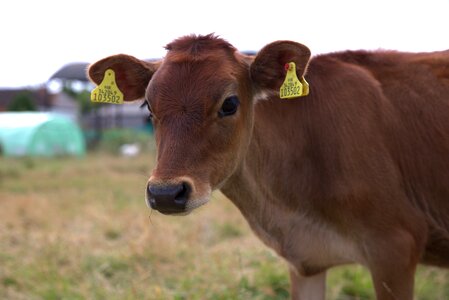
201	98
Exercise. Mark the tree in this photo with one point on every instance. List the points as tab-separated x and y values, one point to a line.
22	102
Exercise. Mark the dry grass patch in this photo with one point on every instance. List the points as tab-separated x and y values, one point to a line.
79	229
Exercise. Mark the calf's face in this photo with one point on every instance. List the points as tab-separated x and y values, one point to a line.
201	99
201	113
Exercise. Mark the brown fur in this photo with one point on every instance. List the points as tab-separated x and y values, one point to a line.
357	171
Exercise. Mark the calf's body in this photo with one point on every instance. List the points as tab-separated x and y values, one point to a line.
357	171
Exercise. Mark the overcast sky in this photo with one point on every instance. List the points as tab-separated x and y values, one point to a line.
40	36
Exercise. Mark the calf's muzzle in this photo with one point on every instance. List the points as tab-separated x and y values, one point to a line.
168	198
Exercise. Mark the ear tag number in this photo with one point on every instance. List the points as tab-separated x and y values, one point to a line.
292	86
107	91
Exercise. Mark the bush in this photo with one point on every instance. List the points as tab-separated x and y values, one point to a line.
112	139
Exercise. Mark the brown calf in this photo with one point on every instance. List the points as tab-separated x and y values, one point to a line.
357	171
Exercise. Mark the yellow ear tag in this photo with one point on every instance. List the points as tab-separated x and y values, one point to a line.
292	86
305	86
107	91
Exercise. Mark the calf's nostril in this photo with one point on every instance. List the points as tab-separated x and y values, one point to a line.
151	201
183	195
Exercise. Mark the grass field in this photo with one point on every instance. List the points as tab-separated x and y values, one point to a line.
80	229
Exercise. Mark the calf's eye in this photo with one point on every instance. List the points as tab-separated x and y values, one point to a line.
146	104
229	106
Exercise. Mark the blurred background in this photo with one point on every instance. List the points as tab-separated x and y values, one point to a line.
73	221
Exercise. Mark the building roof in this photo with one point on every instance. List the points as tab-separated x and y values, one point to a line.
72	71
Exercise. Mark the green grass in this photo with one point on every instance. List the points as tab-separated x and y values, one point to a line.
79	229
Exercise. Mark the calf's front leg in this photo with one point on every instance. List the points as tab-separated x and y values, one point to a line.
392	261
308	287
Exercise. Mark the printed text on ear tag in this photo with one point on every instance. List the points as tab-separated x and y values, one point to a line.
107	91
292	86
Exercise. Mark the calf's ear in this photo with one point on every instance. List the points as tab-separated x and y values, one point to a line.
132	75
268	69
